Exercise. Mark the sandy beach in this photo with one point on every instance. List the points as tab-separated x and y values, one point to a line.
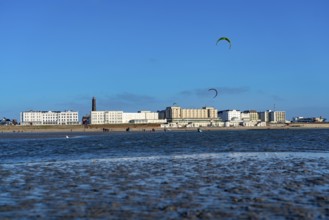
147	127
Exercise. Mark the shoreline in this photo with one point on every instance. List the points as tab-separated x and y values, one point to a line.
146	128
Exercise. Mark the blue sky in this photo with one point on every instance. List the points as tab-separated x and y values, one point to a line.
148	54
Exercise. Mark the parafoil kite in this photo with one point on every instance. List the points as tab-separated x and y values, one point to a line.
224	38
215	90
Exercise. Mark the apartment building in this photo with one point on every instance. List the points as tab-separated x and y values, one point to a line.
278	117
249	115
273	116
175	113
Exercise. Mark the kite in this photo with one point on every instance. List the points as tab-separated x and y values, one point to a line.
215	90
224	38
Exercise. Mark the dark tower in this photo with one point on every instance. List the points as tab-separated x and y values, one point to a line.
93	105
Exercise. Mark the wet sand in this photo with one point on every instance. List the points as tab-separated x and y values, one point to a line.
208	186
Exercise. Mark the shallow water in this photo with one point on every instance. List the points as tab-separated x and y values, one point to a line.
177	175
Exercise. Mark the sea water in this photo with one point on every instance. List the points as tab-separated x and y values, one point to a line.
166	175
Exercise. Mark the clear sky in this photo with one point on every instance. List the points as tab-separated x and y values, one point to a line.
148	54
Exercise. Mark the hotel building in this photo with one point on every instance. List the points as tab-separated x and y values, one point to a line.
49	118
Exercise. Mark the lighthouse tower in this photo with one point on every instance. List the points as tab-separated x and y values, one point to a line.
93	104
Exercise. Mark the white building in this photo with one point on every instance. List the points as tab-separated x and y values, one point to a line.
278	117
49	118
142	117
120	117
106	117
250	115
245	116
230	115
273	116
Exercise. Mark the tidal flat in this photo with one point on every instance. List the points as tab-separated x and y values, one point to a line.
211	175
